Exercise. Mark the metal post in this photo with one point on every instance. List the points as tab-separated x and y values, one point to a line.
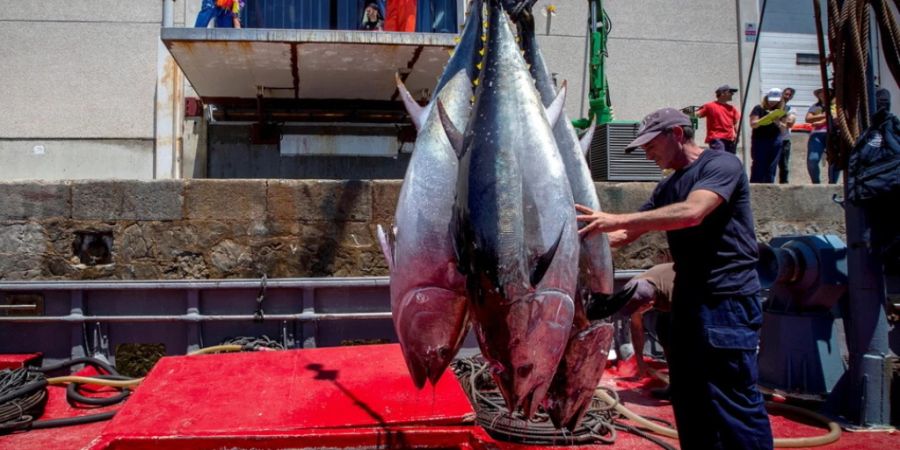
745	153
742	131
169	123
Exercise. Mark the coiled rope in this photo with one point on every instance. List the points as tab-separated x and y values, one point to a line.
23	392
599	425
848	39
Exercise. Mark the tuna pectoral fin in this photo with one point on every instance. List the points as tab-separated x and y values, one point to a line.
453	133
601	306
543	262
415	110
587	137
555	110
386	248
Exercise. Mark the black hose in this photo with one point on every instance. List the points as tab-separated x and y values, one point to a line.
69	421
75	398
23	395
94	362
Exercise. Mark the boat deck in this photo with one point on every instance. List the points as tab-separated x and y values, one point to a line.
335	397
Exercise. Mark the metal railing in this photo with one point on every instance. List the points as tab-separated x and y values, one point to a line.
432	16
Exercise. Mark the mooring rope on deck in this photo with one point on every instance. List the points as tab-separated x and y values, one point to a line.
600	424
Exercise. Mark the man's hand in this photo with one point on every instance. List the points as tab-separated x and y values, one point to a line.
618	238
596	220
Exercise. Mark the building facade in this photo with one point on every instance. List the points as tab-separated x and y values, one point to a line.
80	83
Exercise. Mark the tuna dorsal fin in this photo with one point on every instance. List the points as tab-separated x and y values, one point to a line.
555	110
386	248
453	133
601	306
587	137
543	262
415	110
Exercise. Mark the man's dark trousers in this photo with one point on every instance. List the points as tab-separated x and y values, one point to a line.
713	372
784	163
723	144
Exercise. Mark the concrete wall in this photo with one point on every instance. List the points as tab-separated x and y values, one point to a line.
283	228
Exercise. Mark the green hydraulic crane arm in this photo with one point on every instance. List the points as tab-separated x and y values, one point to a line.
600	106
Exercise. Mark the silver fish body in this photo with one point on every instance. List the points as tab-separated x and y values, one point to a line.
516	230
429	300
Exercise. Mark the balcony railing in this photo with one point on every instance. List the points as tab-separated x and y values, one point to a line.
432	16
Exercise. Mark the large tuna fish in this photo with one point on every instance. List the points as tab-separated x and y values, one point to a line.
428	294
595	245
517	237
586	353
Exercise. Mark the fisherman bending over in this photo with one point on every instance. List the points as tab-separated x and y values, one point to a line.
704	206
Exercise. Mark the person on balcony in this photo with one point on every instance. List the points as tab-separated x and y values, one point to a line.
372	19
226	13
401	16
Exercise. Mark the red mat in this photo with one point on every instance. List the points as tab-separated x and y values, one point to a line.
357	407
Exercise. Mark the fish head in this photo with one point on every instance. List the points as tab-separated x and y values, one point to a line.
431	323
578	375
537	330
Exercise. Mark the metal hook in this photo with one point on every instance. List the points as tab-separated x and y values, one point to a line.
258	314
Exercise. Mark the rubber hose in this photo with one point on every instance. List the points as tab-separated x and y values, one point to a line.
97	381
68	421
834	431
74	398
127	383
97	363
217	349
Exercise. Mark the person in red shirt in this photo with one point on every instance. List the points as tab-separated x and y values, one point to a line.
401	16
722	120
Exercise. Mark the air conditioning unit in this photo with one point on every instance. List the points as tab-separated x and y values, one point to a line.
608	160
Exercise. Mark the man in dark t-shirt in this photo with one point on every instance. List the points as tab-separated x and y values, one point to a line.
704	207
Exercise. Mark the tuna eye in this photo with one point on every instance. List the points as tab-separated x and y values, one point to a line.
525	370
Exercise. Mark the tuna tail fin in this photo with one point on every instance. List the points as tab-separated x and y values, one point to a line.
453	134
587	137
416	111
601	306
543	262
555	110
386	248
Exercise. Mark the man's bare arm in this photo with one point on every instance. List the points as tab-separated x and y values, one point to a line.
621	238
689	213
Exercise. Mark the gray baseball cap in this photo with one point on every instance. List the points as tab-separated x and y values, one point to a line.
655	123
724	88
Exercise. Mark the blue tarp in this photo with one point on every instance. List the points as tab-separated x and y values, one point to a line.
293	14
436	16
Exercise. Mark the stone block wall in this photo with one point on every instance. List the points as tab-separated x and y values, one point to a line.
282	228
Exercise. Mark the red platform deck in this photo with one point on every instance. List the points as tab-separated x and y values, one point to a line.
332	397
329	396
